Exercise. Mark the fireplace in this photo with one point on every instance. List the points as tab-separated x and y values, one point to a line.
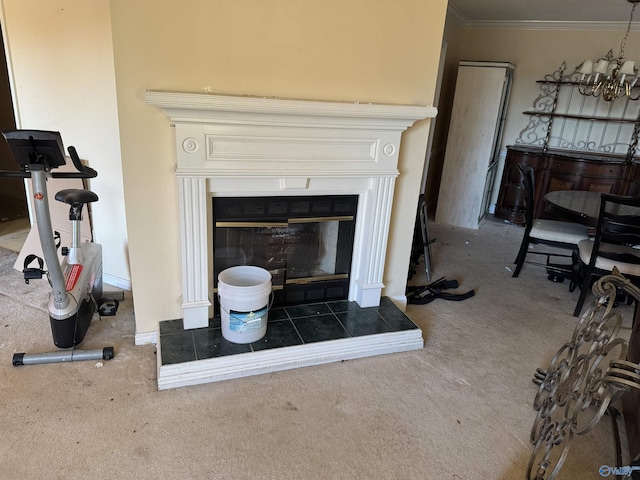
305	242
250	148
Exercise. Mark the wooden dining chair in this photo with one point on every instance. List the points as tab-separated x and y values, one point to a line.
555	233
615	244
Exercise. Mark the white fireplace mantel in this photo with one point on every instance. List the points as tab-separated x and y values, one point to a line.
252	146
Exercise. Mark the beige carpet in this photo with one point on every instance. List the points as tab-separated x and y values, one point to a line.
13	233
461	408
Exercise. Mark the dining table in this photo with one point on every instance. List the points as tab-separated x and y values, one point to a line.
579	206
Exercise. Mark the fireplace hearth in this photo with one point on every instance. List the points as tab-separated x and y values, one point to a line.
296	336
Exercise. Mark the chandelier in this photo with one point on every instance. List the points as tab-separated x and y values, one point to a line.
610	77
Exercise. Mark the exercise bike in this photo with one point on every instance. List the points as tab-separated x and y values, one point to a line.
77	282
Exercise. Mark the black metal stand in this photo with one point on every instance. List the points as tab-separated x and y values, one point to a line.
421	295
421	242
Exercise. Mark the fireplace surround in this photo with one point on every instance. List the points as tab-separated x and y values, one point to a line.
245	146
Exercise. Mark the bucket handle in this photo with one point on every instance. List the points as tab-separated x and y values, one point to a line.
272	297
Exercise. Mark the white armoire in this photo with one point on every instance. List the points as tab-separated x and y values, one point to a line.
473	144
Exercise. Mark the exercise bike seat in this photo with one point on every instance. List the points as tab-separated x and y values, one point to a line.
76	196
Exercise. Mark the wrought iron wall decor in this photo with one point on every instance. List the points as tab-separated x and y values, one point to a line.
585	377
562	118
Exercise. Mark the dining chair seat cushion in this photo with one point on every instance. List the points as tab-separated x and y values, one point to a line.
603	263
559	231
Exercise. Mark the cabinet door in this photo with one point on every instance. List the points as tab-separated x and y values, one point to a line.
602	185
631	183
566	173
553	181
602	177
562	181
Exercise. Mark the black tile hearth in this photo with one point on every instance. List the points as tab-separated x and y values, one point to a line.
320	328
177	347
280	333
287	326
313	309
210	343
364	322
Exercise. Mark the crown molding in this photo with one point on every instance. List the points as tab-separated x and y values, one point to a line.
455	15
549	25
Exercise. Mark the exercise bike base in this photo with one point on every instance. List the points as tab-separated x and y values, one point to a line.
84	289
106	353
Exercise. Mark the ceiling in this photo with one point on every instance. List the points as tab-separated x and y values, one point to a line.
544	10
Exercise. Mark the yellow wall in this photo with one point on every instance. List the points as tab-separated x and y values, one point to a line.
381	51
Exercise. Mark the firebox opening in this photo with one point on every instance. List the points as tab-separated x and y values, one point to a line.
305	242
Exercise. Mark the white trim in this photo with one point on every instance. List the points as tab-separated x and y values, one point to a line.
9	60
480	63
278	359
146	338
550	25
116	281
455	15
198	107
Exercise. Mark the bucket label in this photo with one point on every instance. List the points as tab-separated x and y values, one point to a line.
247	321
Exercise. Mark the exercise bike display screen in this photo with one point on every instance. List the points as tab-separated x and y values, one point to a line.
36	147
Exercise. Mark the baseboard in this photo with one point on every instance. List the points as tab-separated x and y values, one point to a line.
400	302
146	338
116	281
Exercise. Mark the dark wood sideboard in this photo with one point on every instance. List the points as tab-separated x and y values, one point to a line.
561	170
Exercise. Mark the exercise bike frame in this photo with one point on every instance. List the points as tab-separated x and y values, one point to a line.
77	282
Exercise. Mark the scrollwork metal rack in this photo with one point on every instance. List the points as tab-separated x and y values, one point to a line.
583	380
562	118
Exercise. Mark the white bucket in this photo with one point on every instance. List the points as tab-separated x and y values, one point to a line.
244	303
